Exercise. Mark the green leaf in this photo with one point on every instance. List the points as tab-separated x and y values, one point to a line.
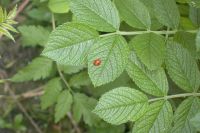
157	119
83	106
104	127
1	15
121	105
166	11
12	13
8	27
198	41
182	1
18	120
194	3
194	14
70	69
195	121
150	48
98	91
130	11
51	92
40	14
63	105
59	6
6	22
186	24
182	67
187	40
186	110
112	51
155	25
152	82
39	68
102	15
39	35
69	44
79	80
6	33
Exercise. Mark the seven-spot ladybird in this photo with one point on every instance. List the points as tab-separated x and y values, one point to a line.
97	62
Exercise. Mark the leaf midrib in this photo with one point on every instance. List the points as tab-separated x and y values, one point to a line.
122	105
70	45
107	59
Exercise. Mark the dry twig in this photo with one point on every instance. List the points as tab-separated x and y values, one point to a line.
21	107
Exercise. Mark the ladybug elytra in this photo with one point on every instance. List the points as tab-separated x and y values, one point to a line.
97	62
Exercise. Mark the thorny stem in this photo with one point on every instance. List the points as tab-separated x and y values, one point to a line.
175	96
132	33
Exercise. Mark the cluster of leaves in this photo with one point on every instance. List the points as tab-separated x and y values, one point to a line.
6	22
164	37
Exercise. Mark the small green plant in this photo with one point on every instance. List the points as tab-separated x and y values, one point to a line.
141	57
17	124
6	22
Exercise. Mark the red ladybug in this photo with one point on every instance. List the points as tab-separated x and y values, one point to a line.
97	62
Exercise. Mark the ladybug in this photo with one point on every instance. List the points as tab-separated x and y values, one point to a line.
97	62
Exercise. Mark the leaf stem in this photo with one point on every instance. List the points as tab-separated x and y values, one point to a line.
131	33
75	125
63	78
58	69
53	21
174	96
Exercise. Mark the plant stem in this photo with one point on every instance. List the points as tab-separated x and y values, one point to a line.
59	71
131	33
69	115
22	108
174	96
21	7
63	78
